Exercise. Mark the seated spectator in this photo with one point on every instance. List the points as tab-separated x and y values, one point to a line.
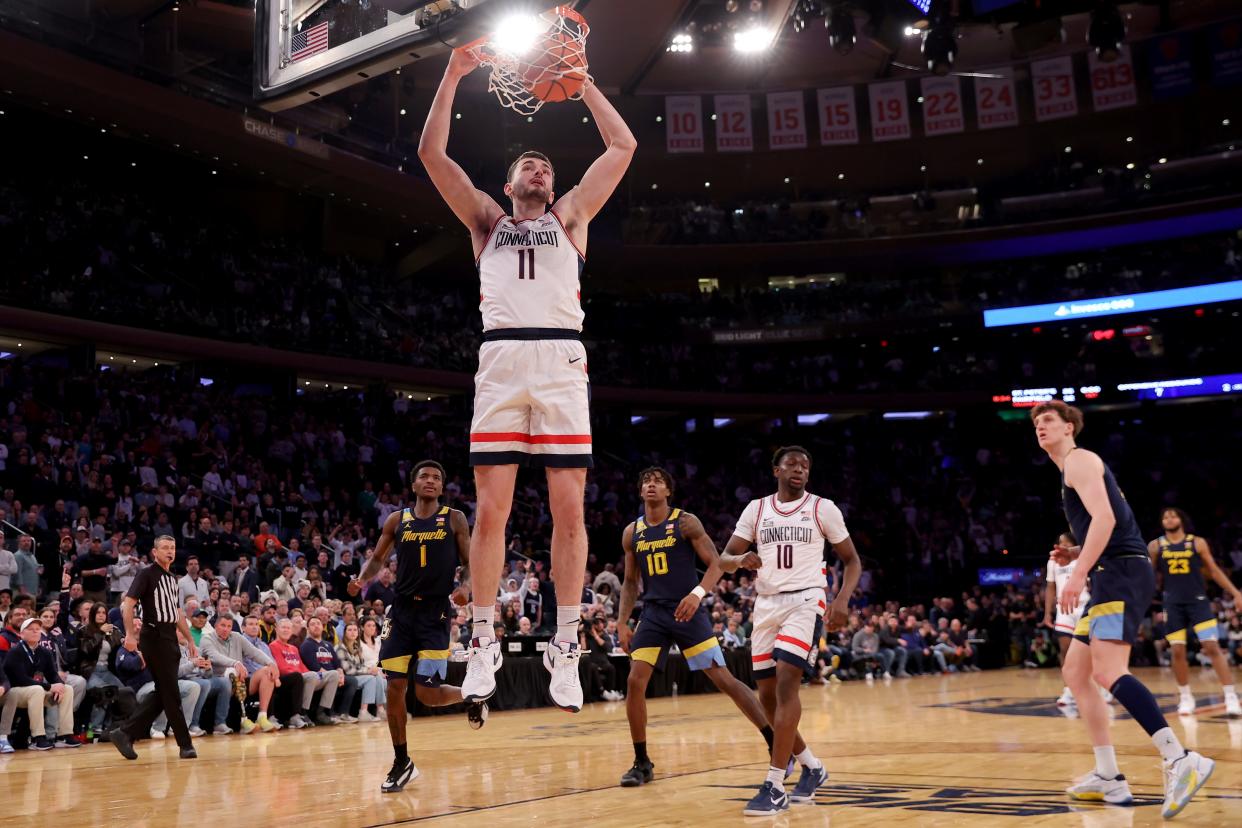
1235	639
369	681
733	636
961	641
31	673
918	656
199	671
226	651
284	586
98	644
292	670
198	625
370	642
192	583
286	698
524	627
320	658
10	635
865	648
59	644
892	648
600	669
381	589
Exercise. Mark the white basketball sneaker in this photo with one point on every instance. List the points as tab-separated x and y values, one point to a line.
484	660
1066	698
561	659
1233	709
1186	705
1182	780
1095	788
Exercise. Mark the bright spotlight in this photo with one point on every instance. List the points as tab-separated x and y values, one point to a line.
517	34
683	42
752	40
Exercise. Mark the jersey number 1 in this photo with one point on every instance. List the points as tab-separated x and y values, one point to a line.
422	555
523	266
784	556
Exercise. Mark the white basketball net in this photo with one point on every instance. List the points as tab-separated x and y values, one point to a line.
559	52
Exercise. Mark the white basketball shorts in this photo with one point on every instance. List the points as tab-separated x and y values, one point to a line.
784	627
531	404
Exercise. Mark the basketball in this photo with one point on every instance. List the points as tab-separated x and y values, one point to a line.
559	73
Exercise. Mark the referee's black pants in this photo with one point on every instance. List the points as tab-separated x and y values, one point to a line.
163	656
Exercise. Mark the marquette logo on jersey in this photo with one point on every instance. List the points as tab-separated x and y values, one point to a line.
651	546
422	537
786	534
527	238
1173	555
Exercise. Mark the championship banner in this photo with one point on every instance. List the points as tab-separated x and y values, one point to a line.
786	120
684	114
838	116
1226	49
1112	84
734	130
1172	74
1054	88
996	101
942	105
890	111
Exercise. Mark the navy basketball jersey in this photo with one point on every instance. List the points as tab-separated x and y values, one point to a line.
1180	565
665	559
1125	540
426	555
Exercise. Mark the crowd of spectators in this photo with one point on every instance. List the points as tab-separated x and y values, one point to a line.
274	503
125	257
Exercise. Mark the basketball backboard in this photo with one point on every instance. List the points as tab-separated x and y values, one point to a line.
308	48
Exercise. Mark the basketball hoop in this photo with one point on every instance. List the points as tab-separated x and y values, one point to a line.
553	69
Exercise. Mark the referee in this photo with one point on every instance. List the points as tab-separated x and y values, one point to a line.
156	588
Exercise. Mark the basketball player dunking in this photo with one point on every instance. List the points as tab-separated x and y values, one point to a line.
1182	560
660	548
1122	586
430	540
531	389
789	529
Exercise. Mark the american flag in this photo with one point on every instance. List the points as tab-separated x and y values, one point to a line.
312	41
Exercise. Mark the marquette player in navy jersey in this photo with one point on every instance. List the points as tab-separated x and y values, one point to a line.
1182	559
660	549
1122	586
531	391
790	531
430	540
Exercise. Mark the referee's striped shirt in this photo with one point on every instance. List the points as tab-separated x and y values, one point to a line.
155	588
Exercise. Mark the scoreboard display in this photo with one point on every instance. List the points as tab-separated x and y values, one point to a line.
1165	389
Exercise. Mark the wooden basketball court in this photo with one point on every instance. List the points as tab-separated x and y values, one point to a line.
983	749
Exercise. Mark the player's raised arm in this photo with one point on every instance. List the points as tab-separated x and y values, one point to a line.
379	556
1215	572
473	207
582	203
693	531
1084	473
629	589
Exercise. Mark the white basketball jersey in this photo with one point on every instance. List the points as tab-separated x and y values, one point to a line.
1059	575
529	274
789	538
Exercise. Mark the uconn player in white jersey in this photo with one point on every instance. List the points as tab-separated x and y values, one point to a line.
1063	624
788	530
530	403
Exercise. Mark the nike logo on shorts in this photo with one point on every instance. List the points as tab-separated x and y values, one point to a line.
575	359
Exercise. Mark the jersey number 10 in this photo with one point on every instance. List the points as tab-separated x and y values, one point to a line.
657	563
784	556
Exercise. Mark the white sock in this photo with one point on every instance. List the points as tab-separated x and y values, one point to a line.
1229	690
1184	689
567	619
1167	743
484	622
1106	762
807	759
777	777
